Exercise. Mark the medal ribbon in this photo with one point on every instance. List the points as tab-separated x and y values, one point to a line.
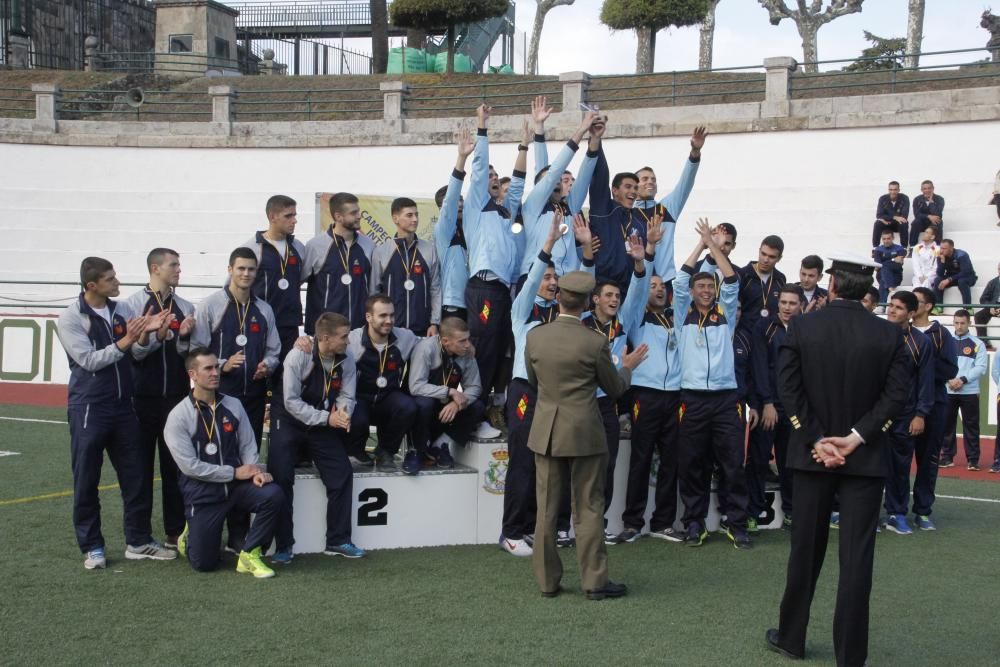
241	318
764	290
383	357
404	257
209	427
911	345
665	323
282	261
612	327
344	256
164	304
446	359
328	379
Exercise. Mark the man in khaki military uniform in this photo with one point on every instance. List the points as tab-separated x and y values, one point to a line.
567	362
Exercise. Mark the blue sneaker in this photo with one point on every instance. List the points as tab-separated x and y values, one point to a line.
282	557
95	559
924	522
347	550
444	457
897	524
835	520
411	462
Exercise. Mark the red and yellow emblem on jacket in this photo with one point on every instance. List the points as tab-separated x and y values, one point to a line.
635	411
680	412
522	406
484	314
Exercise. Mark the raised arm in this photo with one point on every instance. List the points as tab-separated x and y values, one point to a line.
674	202
540	112
479	191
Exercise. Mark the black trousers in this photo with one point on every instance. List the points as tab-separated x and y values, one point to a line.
488	304
520	503
152	413
918	226
712	423
113	428
654	429
859	509
968	404
982	318
897	484
238	523
205	521
893	226
326	448
927	451
758	465
612	433
427	427
393	415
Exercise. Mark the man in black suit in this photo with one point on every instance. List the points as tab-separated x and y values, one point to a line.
842	376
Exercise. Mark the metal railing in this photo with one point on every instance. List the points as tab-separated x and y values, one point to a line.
166	64
512	95
98	104
17	102
682	86
308	104
288	14
890	79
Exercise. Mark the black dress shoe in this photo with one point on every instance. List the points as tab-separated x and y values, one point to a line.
771	637
552	594
610	590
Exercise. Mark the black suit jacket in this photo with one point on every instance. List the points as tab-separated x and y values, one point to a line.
842	368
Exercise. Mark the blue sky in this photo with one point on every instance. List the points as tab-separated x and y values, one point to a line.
743	35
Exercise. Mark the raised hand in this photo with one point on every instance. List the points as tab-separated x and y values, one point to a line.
555	230
698	138
581	230
654	229
483	114
636	248
704	231
540	112
464	142
187	326
526	133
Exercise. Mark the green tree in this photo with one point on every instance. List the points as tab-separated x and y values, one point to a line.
884	53
437	14
648	17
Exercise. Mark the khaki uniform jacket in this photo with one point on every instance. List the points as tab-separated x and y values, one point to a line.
567	362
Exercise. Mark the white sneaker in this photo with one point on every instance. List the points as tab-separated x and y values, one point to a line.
95	560
151	551
487	432
515	547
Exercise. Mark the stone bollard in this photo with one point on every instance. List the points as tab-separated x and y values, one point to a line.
776	98
575	85
90	52
46	107
222	107
393	93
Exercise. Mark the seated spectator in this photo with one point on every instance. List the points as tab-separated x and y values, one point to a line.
213	444
444	382
315	414
890	256
928	210
990	298
954	270
963	395
809	274
380	352
892	213
925	256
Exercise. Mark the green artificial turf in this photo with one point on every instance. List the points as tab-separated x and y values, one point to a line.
934	602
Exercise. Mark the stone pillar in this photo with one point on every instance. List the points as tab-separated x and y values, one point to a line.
266	66
393	93
91	56
776	99
19	45
575	88
46	107
222	107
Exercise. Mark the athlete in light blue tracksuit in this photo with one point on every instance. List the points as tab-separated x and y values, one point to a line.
540	205
102	338
449	235
963	394
711	419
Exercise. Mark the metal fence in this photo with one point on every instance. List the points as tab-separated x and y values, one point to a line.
91	104
317	57
309	104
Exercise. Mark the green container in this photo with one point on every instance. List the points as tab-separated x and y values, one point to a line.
462	63
405	61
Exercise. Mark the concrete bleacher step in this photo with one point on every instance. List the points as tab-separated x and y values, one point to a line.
463	505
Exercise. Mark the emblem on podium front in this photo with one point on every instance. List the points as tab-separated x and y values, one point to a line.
495	475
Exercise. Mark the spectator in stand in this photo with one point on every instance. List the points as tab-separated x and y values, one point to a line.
928	210
892	213
809	273
991	300
963	394
870	300
925	260
890	257
954	270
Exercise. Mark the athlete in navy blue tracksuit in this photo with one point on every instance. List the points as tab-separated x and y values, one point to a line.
774	428
927	449
711	418
161	382
101	338
315	411
913	420
280	260
760	283
212	442
339	265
